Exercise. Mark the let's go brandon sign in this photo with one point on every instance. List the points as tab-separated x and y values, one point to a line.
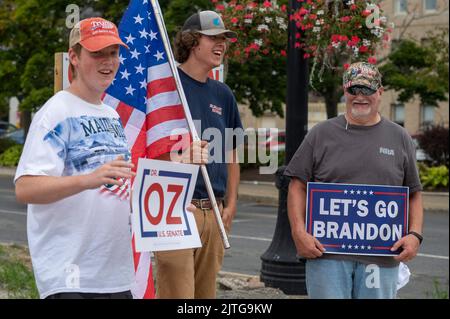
357	219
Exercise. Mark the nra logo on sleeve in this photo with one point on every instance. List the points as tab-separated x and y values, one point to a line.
216	109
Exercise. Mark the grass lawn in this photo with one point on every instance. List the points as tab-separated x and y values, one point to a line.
16	275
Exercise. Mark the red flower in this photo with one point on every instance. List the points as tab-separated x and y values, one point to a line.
346	19
233	40
283	53
355	39
366	13
239	7
234	20
306	55
346	66
283	8
363	49
372	60
267	4
220	7
353	7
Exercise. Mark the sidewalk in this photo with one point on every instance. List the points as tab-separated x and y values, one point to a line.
265	192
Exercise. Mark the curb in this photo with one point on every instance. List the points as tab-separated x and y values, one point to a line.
8	171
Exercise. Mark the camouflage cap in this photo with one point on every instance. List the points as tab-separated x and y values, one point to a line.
362	73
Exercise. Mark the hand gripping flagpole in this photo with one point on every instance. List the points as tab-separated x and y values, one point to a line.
195	137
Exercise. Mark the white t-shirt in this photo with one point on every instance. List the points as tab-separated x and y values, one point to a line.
81	243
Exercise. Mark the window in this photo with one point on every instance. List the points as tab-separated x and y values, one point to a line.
430	5
398	113
427	115
401	6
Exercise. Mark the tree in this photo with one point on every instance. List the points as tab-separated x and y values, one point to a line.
419	69
31	31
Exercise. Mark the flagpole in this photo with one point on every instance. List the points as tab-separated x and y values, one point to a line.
195	137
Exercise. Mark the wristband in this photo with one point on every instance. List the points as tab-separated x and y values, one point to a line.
419	236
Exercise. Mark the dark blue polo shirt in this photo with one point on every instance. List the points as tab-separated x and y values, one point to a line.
214	105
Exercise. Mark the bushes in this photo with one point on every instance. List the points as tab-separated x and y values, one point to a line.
434	178
6	143
434	141
11	156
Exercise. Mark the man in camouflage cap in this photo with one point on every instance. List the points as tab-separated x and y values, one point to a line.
358	147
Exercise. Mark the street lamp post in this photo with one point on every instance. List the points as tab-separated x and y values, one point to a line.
280	267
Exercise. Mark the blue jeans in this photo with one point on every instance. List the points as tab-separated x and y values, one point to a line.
343	279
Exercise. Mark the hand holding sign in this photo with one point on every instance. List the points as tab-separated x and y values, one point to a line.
409	246
308	246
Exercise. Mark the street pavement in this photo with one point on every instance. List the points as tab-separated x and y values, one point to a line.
251	235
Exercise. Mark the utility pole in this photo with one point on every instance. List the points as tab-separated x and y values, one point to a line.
280	267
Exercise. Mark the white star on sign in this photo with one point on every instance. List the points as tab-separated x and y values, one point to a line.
343	246
358	192
130	90
369	247
356	246
349	246
159	55
371	193
130	39
143	33
153	35
139	69
346	191
147	48
362	247
135	54
125	74
365	192
143	84
138	19
352	192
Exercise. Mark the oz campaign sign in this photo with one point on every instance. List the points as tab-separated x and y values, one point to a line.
357	219
161	192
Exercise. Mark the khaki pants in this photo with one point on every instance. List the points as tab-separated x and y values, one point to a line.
191	273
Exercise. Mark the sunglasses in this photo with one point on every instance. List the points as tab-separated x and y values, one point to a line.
364	90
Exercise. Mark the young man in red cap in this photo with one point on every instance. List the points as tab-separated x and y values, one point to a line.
74	158
76	152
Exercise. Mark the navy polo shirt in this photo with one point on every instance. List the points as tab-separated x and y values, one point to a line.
213	104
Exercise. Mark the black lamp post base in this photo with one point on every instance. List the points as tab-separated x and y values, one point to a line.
288	277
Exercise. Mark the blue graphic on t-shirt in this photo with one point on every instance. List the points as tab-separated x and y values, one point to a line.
85	143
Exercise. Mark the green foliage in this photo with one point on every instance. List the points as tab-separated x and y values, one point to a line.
438	292
179	10
434	178
16	276
11	156
249	82
5	144
419	69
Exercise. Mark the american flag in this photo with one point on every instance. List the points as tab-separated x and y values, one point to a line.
145	95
